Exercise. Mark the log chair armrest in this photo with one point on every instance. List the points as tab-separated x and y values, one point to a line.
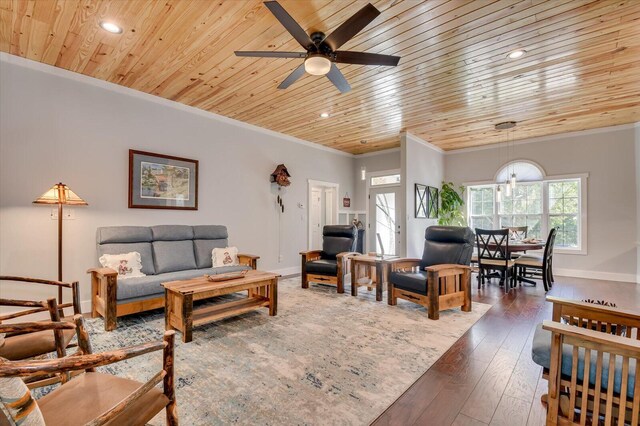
34	327
592	311
248	260
310	255
35	281
76	362
402	264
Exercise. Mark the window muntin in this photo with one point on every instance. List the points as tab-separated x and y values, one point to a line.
385	180
538	205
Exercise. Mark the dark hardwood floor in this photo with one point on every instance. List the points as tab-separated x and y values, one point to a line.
487	377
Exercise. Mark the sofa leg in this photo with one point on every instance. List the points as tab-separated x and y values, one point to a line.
391	298
111	305
465	284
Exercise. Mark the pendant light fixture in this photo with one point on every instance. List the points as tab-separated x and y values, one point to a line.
511	182
498	194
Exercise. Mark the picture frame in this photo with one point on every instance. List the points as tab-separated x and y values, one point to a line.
158	181
426	201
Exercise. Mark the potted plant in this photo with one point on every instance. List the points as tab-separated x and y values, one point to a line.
451	204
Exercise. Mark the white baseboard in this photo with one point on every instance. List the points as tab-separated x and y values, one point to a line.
597	275
292	270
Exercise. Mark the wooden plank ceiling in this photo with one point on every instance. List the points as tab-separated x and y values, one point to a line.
454	81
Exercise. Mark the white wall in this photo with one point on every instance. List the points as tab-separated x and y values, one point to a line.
422	163
375	162
59	126
609	157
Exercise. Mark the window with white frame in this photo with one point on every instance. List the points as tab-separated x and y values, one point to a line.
541	205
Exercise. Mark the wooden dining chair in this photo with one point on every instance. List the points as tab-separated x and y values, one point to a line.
517	233
494	255
590	356
543	263
90	398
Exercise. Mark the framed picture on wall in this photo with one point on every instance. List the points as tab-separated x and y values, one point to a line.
421	201
426	201
158	181
432	202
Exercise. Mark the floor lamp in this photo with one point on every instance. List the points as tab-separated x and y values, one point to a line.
60	194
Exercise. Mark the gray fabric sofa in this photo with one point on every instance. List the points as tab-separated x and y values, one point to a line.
168	253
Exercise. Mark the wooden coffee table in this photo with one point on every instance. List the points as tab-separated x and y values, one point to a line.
376	271
262	288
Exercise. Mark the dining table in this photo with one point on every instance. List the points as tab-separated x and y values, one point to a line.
521	246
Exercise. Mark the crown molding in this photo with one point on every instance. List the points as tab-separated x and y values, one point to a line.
423	142
112	87
546	138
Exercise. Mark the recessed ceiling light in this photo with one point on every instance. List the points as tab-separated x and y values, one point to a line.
111	27
516	54
324	115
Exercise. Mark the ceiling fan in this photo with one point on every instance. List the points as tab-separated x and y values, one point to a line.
322	52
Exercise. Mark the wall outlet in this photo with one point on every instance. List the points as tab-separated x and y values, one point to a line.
280	258
67	214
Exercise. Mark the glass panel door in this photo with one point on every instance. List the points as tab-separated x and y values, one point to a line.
385	221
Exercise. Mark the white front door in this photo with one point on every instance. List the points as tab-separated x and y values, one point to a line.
315	220
385	210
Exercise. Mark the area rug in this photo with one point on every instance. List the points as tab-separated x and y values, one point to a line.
326	358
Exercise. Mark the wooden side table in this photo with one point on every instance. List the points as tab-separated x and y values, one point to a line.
375	273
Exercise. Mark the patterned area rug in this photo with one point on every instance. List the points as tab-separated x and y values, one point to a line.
327	358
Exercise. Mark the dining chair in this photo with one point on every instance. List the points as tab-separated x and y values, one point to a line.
517	233
543	263
494	255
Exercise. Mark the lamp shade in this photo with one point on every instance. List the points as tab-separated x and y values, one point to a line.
60	194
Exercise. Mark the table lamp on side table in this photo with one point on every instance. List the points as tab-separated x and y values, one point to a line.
60	194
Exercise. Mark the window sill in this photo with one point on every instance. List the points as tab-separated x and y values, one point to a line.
581	252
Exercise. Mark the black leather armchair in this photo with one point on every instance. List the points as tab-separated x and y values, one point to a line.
328	266
442	280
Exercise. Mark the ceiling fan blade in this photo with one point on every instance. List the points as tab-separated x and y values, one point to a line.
292	78
263	54
363	58
290	24
351	27
338	79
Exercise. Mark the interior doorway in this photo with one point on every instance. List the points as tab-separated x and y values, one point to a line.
323	210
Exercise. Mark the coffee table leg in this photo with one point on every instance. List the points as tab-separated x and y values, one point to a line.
273	297
354	283
187	318
379	281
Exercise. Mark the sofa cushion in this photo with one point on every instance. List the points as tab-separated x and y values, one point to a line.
415	282
322	267
210	232
203	249
151	286
123	234
171	256
172	232
144	249
541	355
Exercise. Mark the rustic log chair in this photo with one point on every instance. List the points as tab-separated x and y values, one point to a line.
18	346
581	385
443	279
98	398
328	266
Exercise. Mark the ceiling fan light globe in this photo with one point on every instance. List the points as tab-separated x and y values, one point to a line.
317	65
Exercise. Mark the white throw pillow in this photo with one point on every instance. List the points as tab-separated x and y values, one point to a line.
227	256
128	265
